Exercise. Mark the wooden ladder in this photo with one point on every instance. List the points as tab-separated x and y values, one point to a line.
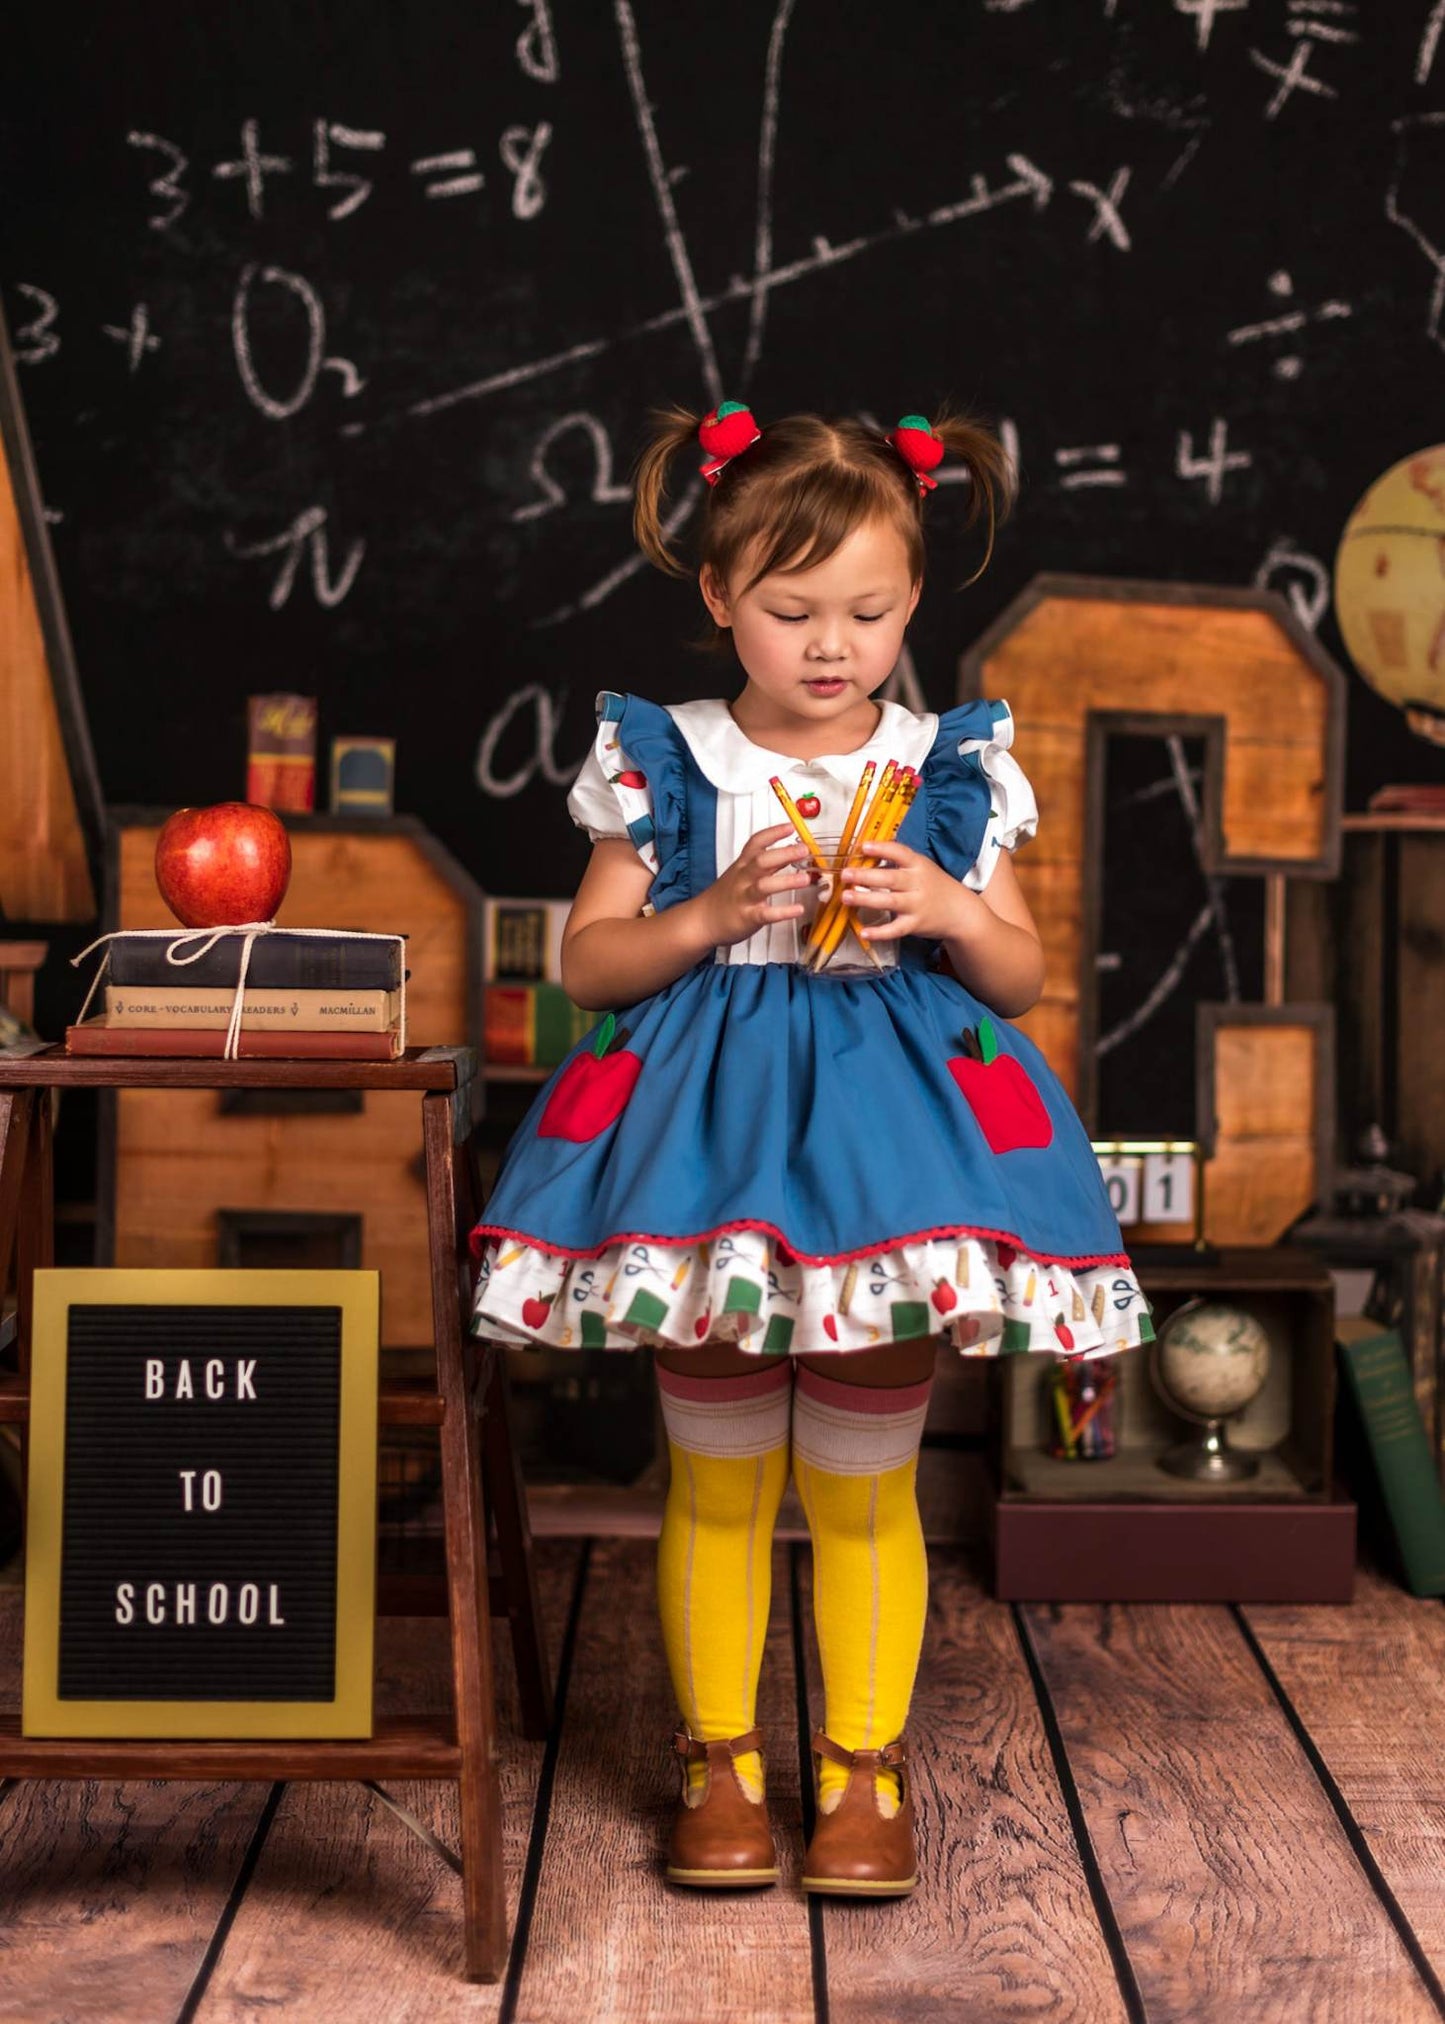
482	1494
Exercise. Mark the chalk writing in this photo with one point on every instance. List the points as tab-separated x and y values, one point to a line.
522	149
325	177
1288	366
1106	209
537	45
252	167
166	185
1204	13
1214	467
542	759
136	336
604	492
1302	578
38	339
1071	464
306	532
269	404
450	185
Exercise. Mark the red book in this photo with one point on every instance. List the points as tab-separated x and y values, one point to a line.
94	1036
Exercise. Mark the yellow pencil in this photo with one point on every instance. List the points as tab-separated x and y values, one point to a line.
829	915
885	821
790	810
845	917
855	814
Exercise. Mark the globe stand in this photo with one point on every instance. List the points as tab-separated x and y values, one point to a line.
1209	1458
1206	1457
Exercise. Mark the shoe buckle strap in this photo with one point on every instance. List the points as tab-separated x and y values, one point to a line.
891	1756
693	1749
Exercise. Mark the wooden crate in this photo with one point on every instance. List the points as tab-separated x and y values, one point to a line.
1124	1529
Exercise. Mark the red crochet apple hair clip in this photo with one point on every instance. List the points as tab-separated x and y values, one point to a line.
729	429
919	448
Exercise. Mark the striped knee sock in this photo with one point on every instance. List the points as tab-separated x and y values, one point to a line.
855	1460
727	1440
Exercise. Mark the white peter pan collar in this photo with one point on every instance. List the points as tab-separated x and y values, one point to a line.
729	759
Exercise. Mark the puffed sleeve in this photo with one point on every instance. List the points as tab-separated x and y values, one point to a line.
611	798
977	801
1013	812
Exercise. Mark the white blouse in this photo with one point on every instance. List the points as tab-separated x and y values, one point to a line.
741	771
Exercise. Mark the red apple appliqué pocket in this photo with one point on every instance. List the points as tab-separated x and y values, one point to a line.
593	1090
1000	1093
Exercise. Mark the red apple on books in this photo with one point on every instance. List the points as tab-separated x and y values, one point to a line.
217	867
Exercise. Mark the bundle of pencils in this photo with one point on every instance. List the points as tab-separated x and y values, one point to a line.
875	821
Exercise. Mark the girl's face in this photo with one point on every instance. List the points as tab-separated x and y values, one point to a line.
816	643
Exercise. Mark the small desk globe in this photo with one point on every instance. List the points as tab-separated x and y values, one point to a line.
1208	1362
1390	589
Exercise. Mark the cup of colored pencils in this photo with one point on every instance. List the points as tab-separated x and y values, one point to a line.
1081	1409
829	936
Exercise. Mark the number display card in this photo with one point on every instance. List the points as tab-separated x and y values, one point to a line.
202	1504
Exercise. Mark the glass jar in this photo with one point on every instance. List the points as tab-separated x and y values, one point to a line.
1081	1409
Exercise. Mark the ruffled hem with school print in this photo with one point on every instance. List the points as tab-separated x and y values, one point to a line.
982	1294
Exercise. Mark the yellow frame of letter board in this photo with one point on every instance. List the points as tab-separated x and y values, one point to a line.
349	1713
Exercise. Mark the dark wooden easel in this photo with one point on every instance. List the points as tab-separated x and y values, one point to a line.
468	1402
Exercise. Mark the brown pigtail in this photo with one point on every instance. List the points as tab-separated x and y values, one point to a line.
674	428
994	481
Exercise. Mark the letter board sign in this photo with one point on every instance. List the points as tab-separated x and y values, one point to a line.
201	1507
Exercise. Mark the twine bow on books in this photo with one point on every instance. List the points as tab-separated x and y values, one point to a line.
207	938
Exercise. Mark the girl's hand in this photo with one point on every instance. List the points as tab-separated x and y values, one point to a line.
921	896
737	905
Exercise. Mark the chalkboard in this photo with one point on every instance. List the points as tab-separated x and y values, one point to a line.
337	327
188	1468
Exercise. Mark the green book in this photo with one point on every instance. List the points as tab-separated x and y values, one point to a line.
1373	1361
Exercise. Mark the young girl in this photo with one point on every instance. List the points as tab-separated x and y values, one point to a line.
795	1182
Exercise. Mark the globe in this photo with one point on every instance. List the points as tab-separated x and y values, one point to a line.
1212	1358
1390	589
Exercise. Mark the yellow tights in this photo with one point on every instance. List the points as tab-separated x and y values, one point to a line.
727	1440
855	1459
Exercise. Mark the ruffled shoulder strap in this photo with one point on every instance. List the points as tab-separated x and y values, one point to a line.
978	800
632	785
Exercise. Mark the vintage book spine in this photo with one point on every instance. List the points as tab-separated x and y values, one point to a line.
523	941
531	1025
162	1005
281	751
1373	1361
95	1036
278	962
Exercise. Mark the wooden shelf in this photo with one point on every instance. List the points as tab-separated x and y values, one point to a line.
1132	1476
402	1747
423	1068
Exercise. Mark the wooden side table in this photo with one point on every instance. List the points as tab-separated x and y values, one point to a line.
467	1402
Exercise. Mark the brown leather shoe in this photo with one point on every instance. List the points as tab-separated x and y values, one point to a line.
722	1840
855	1851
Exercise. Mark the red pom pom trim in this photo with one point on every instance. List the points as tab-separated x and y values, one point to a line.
724	433
919	448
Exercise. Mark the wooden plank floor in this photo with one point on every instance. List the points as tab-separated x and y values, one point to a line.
1148	1812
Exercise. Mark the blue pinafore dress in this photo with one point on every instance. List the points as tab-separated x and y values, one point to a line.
796	1163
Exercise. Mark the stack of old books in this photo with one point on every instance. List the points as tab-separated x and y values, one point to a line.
307	992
